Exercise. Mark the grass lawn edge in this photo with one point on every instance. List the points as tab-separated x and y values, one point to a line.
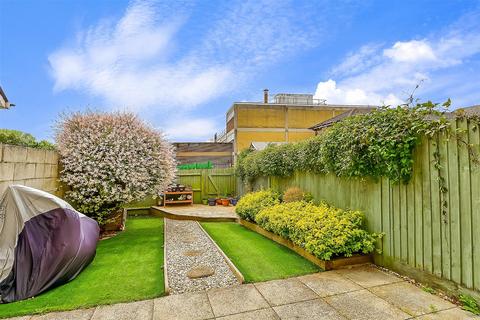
257	257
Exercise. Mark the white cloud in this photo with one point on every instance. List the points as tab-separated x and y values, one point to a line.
356	62
329	90
410	51
135	62
126	63
158	61
255	33
378	75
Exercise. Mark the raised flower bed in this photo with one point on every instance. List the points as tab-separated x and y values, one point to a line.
335	263
325	235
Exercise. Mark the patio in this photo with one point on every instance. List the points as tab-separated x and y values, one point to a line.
362	292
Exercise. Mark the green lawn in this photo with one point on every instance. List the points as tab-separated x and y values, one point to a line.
127	267
257	258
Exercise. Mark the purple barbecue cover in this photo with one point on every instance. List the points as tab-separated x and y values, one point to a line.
44	242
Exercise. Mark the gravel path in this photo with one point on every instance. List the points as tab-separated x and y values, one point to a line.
188	248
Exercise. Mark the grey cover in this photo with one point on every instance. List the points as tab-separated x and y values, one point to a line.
44	242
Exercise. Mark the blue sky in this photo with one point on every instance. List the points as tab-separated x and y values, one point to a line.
181	64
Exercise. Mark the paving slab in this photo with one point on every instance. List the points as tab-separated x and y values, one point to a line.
278	292
263	314
364	305
200	272
450	314
410	299
237	299
125	311
193	306
81	314
329	283
308	310
294	298
368	276
193	253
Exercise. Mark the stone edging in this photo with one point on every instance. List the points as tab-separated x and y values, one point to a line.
165	272
157	211
230	264
136	208
335	263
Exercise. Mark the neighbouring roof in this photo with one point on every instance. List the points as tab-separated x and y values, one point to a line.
467	111
260	145
4	103
325	106
203	146
470	111
351	112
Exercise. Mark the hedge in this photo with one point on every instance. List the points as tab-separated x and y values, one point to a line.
376	144
323	231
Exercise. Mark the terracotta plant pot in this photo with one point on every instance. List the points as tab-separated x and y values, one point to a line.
225	202
219	201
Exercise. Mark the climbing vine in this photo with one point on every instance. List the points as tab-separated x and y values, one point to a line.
376	144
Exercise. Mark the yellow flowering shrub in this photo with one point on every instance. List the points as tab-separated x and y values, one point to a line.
282	218
323	230
250	204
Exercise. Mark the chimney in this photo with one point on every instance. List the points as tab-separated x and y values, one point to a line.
265	95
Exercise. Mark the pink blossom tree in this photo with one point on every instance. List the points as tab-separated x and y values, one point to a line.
109	159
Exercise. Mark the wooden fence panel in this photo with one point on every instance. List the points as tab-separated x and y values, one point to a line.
419	232
209	182
465	199
474	139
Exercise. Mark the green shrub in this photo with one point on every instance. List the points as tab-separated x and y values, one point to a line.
469	304
308	197
240	166
251	203
376	144
275	160
324	231
19	138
